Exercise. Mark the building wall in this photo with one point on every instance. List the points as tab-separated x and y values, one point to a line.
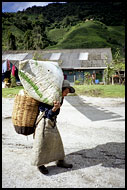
73	75
99	74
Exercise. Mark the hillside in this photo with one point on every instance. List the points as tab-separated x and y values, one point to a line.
69	25
90	34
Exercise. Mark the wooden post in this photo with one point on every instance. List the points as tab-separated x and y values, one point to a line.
112	80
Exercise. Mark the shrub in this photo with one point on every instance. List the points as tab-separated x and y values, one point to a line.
77	82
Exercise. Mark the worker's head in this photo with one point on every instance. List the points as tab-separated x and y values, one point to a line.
66	88
65	91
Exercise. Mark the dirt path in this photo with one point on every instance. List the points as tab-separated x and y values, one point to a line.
93	134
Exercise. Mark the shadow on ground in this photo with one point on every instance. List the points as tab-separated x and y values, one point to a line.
92	112
108	155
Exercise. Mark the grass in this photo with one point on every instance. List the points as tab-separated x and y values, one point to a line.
57	34
104	91
11	92
91	34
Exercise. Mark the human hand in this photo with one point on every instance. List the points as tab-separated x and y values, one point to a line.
56	106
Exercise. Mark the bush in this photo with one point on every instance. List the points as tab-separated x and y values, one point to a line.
77	82
88	78
13	81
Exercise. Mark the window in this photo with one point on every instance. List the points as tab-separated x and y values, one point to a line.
55	56
83	56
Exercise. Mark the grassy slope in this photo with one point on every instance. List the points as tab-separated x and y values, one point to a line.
16	31
91	34
56	34
117	33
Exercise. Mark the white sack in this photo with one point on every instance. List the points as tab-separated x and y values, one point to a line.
42	80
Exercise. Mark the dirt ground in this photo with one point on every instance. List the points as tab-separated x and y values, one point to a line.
93	134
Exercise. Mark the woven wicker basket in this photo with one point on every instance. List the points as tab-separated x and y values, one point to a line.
24	114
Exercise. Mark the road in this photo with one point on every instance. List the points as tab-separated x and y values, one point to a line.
93	134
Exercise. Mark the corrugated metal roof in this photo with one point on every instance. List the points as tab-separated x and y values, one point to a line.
83	56
69	58
55	56
14	57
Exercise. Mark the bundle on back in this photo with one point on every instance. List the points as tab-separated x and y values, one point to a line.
42	80
24	114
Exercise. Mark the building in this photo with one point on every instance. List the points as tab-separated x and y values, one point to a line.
74	62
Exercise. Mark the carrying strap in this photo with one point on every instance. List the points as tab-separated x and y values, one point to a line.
39	118
37	121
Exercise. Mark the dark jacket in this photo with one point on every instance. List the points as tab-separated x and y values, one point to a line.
48	110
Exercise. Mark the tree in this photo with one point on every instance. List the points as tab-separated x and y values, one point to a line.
108	72
88	78
37	38
11	41
25	17
13	81
28	40
118	64
40	40
66	21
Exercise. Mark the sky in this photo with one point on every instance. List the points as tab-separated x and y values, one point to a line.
19	6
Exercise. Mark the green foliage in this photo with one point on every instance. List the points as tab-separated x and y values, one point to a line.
118	62
69	20
28	40
56	34
90	34
11	41
37	56
117	65
63	26
77	82
108	72
88	78
13	81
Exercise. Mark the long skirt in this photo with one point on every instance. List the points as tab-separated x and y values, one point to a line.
47	146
